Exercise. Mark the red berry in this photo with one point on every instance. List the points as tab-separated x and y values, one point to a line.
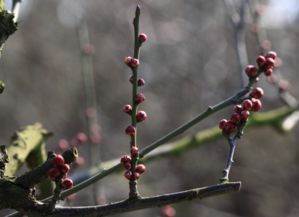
64	168
271	54
134	63
268	72
238	109
127	166
251	71
127	60
247	104
82	137
125	159
257	93
58	160
140	168
269	63
131	62
229	127
222	123
142	37
260	60
134	151
139	98
245	115
235	118
130	130
53	173
128	174
141	116
135	176
67	183
257	105
127	109
141	82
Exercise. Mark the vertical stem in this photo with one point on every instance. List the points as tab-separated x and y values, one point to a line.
87	51
232	146
133	183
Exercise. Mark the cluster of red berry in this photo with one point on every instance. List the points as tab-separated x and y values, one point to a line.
253	102
59	172
265	64
242	111
139	97
126	161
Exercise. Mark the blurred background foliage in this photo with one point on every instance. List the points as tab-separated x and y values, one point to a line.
189	63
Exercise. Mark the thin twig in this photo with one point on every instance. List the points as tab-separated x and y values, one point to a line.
133	182
238	22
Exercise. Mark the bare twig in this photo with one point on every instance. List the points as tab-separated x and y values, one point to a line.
237	19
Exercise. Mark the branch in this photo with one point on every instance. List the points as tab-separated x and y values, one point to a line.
270	118
135	204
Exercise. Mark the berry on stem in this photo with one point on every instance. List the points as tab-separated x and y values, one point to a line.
127	108
135	151
229	127
140	168
67	183
260	60
247	104
134	63
235	118
245	115
269	63
125	159
127	166
141	116
135	176
58	160
268	72
222	123
238	108
142	37
257	93
128	174
130	130
127	60
139	98
131	62
271	54
257	105
141	82
251	71
64	168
